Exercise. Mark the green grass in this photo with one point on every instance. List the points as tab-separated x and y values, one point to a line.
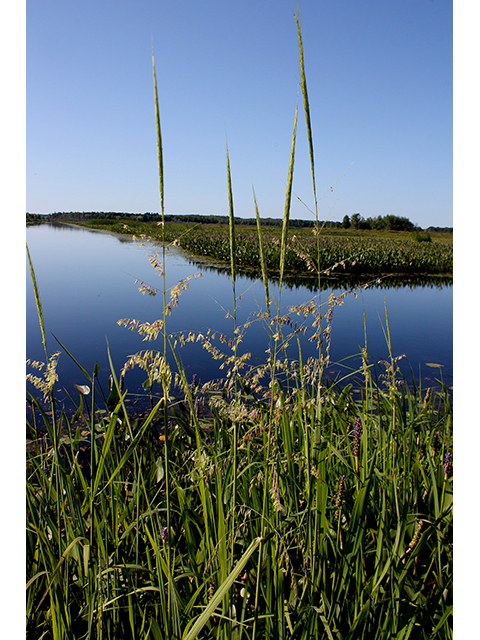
312	561
269	504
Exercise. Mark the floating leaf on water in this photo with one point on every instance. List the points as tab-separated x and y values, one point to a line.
82	388
434	365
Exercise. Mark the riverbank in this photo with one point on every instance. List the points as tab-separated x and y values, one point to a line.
340	252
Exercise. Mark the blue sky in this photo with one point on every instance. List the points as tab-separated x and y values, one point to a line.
379	76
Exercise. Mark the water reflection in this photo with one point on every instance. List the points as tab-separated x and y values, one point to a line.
87	283
327	283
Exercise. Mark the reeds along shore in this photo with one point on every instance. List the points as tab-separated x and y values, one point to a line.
269	505
335	252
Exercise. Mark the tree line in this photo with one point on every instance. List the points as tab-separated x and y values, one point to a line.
356	221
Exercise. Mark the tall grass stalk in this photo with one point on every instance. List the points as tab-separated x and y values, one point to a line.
283	249
164	295
53	428
38	303
288	202
231	219
263	263
306	107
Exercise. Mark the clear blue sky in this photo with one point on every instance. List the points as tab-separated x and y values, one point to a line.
379	76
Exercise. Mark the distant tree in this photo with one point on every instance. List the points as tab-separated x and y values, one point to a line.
355	220
346	222
440	229
375	223
397	223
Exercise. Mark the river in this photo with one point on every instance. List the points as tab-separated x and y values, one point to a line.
88	280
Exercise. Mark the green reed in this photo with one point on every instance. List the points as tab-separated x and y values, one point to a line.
338	253
263	264
172	619
298	509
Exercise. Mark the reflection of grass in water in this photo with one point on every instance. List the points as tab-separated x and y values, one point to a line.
333	282
270	505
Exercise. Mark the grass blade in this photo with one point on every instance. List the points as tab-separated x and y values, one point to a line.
288	200
263	263
38	302
306	106
231	222
159	140
221	592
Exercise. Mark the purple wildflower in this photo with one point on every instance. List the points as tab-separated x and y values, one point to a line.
448	464
357	436
307	565
340	491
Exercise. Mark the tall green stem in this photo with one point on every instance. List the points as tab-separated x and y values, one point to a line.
306	108
283	246
231	218
165	388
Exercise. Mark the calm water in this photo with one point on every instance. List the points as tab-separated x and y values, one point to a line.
87	282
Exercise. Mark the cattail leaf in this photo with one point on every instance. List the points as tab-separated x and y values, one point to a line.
322	617
67	551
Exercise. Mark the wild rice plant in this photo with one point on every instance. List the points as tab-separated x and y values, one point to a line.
340	255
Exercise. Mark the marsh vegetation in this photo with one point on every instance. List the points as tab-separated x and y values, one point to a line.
342	252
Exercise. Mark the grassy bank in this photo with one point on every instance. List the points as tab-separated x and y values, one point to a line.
329	517
341	252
